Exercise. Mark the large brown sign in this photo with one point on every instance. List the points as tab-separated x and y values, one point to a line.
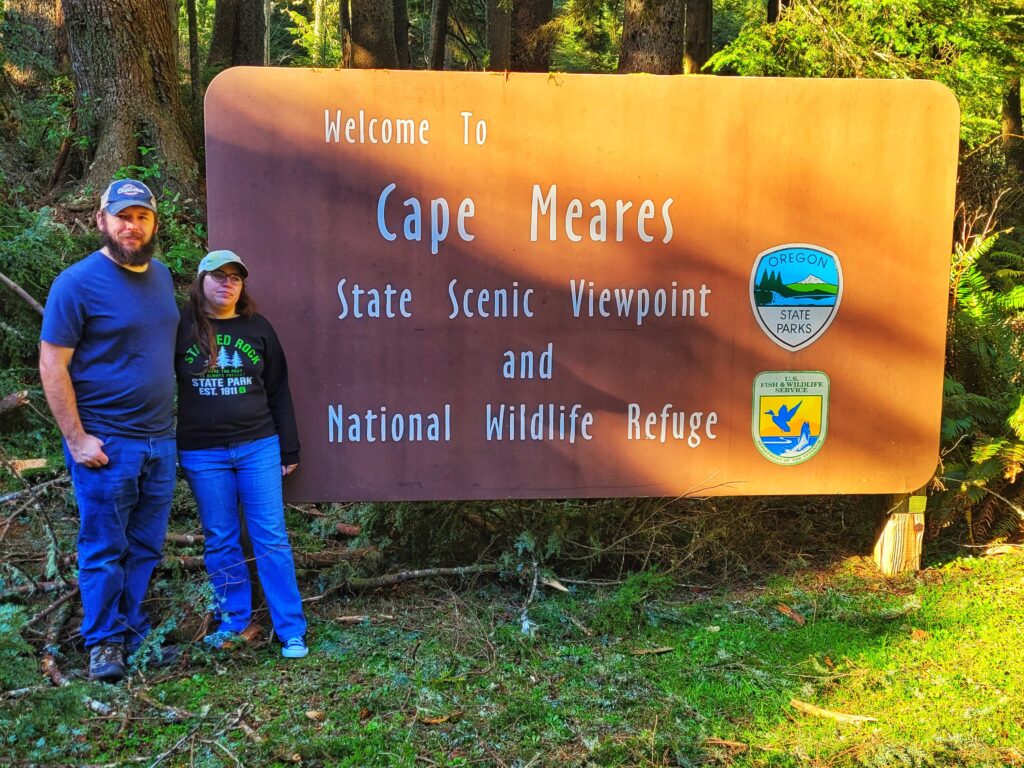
512	285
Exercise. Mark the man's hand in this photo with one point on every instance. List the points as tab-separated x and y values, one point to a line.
287	469
88	451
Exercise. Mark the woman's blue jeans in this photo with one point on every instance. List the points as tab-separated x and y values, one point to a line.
248	473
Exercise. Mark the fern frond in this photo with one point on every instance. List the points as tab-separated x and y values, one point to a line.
1016	418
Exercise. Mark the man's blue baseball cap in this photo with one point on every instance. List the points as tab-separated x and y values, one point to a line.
124	193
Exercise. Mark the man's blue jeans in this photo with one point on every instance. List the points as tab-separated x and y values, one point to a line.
248	473
123	509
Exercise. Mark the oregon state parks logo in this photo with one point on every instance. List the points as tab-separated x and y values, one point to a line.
790	416
795	292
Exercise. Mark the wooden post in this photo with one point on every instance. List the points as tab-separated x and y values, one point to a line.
901	534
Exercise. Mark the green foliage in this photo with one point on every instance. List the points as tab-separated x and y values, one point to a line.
34	248
317	37
969	46
589	35
626	610
14	651
983	408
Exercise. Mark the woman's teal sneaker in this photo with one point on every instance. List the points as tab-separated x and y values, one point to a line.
294	648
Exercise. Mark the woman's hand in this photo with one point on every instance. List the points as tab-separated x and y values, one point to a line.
287	469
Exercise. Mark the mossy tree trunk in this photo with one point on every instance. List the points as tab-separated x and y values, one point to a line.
239	33
697	18
401	13
126	73
373	35
438	34
652	37
530	46
499	35
1013	126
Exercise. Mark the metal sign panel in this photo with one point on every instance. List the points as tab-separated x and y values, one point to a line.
516	285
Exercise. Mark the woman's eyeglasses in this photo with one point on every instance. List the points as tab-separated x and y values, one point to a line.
223	277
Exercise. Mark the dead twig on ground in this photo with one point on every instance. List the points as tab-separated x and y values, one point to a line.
185	539
21	693
365	619
14	495
28	590
391	579
177	714
839	717
55	605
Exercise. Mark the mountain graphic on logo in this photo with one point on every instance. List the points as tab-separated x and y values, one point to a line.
771	287
813	284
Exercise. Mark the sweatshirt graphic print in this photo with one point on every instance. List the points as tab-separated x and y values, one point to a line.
244	395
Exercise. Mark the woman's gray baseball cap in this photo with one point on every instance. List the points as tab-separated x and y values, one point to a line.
124	193
217	259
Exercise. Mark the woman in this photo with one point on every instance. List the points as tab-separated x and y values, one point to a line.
236	440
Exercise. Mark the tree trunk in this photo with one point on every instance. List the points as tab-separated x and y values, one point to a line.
499	36
268	9
172	10
401	12
345	34
373	35
122	60
530	46
195	76
438	34
652	37
697	36
775	8
1013	127
319	33
239	32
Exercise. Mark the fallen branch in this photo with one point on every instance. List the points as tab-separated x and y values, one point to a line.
177	715
13	401
184	539
653	651
364	619
305	560
56	604
39	587
21	292
20	693
398	578
737	746
840	717
34	490
307	512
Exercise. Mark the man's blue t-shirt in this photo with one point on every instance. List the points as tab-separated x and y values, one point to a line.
122	326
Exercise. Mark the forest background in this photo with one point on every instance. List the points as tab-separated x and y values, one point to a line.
93	89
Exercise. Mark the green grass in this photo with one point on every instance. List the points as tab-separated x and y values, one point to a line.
453	680
813	287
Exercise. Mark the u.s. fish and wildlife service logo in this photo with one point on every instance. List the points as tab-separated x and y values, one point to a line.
795	292
790	414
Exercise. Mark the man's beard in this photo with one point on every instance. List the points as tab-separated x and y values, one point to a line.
128	257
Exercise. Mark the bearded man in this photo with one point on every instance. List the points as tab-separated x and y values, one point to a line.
107	366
